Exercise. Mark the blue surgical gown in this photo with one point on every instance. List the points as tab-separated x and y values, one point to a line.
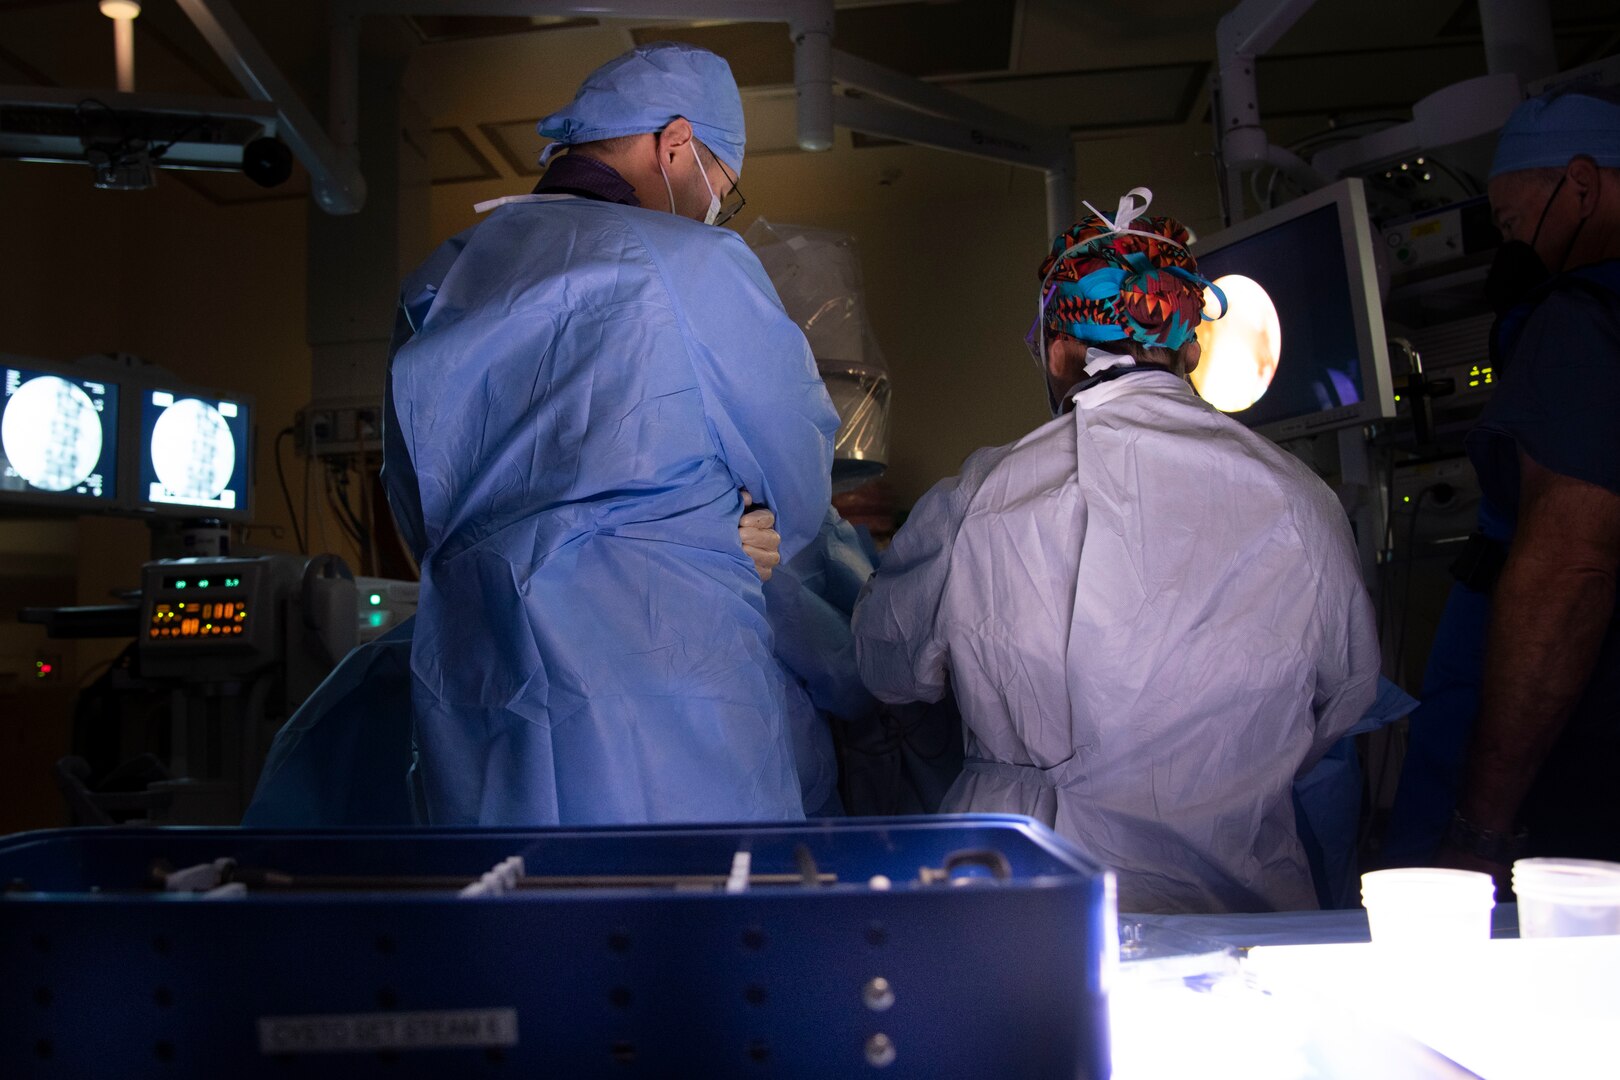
583	392
808	601
345	758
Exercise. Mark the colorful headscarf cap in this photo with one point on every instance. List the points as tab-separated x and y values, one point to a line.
1131	278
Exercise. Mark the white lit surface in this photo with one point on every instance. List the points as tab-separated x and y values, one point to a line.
1184	1006
1505	1009
192	452
1242	349
51	433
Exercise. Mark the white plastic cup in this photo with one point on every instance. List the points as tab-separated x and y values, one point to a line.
1567	897
1424	909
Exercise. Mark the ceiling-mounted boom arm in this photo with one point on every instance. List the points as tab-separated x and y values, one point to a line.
934	116
334	170
1244	33
1518	49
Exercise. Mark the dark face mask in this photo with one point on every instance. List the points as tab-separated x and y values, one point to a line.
1515	273
1517	270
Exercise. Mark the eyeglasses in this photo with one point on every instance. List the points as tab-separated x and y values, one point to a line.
1032	340
732	202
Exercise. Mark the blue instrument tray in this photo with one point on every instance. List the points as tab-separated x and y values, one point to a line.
617	952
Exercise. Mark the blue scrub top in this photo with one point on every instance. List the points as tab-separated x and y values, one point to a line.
1559	402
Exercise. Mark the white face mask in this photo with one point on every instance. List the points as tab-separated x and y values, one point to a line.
714	200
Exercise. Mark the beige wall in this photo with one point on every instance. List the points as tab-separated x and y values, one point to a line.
213	293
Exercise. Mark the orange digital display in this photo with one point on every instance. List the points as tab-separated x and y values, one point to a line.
198	619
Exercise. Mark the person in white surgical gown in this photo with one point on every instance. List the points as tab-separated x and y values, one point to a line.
1152	618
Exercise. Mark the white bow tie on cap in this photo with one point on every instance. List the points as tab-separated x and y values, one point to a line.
1129	211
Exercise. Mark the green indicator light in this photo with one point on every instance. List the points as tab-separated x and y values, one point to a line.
376	599
180	584
203	584
377	618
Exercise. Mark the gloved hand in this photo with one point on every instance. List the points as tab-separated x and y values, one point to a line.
760	541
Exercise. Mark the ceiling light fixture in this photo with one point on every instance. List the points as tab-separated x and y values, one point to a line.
123	13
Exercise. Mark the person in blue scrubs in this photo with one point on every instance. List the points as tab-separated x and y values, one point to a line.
585	386
1545	747
1517	743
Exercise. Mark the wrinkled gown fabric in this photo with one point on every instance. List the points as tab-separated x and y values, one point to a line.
1153	621
581	393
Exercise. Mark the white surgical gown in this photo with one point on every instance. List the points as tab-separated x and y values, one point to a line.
1152	620
584	391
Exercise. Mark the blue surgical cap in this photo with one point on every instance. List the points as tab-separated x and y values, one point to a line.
1547	131
644	90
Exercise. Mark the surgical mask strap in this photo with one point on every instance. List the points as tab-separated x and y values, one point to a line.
1546	209
667	189
714	200
1569	245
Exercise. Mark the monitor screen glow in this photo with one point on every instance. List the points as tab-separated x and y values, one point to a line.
193	452
58	435
1301	346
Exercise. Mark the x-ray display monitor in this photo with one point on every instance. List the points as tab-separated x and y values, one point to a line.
194	452
58	437
1301	348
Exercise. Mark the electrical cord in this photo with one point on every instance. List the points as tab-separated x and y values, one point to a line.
1375	779
1386	548
339	476
308	520
332	505
1406	594
286	492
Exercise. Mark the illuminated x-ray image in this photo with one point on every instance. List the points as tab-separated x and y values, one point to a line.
192	450
51	433
1240	351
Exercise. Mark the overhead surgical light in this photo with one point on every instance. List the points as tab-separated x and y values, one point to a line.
121	163
123	13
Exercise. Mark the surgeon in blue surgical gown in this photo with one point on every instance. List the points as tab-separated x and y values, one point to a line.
346	758
586	384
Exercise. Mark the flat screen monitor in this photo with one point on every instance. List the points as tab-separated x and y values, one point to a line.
58	436
193	454
1301	348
